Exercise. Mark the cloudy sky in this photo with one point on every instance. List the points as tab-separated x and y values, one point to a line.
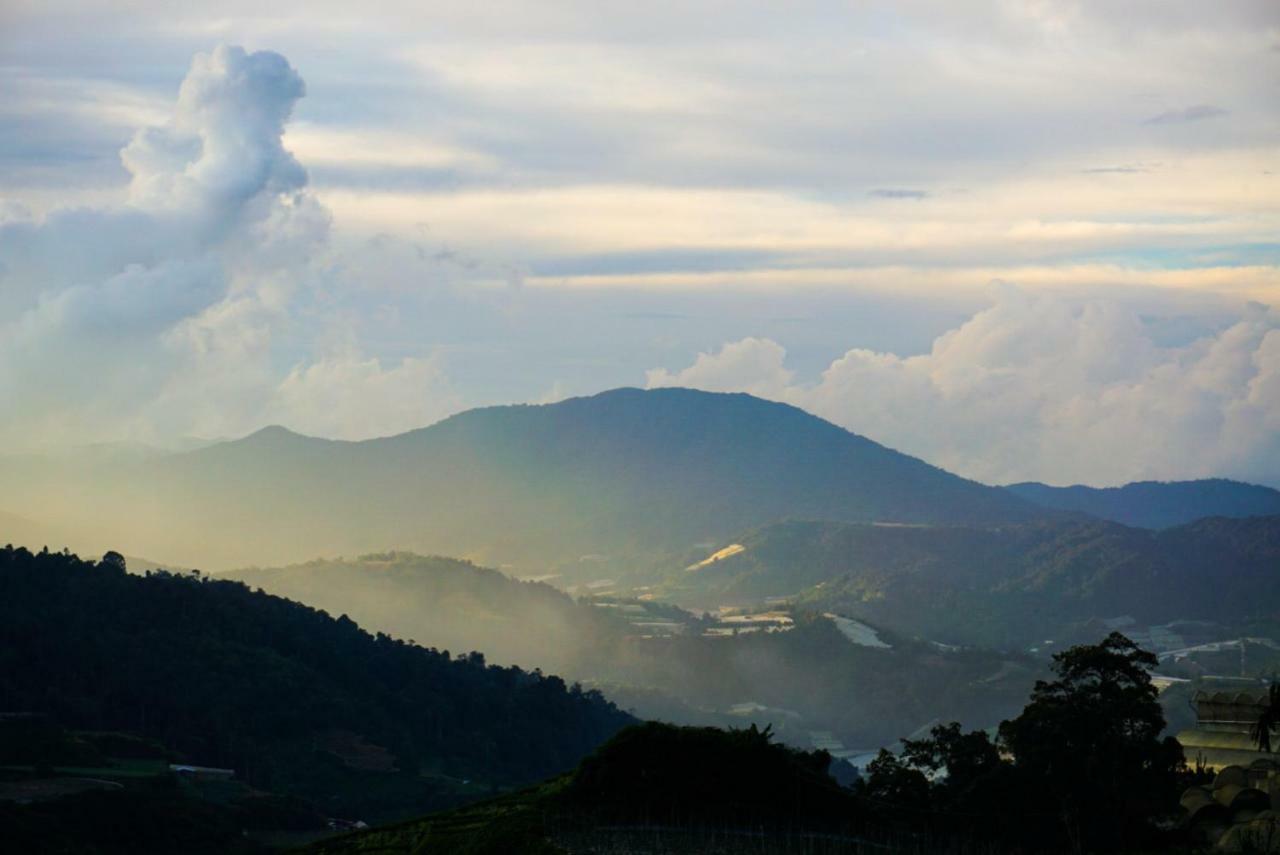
1020	239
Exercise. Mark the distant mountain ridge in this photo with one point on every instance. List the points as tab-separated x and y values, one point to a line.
1002	585
1156	504
620	473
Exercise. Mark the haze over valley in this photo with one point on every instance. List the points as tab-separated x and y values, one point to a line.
643	541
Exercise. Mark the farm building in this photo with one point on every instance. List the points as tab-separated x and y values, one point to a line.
1222	735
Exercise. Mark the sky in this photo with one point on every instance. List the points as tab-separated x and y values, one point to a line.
1019	239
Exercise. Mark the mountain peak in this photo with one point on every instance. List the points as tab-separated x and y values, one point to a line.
275	436
614	474
271	433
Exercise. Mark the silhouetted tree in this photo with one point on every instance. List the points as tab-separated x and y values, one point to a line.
969	760
890	781
1089	742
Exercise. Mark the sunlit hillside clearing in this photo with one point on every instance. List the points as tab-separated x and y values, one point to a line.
728	552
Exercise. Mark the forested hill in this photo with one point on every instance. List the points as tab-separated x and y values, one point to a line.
1003	585
1157	504
626	471
288	696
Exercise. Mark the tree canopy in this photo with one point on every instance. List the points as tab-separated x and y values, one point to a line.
1084	758
288	696
1091	738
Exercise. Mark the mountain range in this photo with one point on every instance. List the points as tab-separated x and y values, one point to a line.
588	487
899	594
620	473
1157	504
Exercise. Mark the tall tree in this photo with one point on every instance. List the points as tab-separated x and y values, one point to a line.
1090	741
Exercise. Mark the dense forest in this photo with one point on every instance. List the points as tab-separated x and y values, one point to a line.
294	700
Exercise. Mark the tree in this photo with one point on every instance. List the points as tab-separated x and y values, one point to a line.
1268	719
893	782
113	560
951	784
968	759
1090	742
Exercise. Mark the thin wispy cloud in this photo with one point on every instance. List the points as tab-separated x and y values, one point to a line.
1116	170
898	193
1196	113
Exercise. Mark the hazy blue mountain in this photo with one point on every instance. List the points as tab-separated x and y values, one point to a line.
621	473
1156	504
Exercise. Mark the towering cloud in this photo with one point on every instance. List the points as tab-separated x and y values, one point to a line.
221	152
160	314
1041	387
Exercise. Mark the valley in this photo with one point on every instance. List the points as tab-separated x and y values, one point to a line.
773	574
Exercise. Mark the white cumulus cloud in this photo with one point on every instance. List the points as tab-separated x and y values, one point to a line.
166	312
349	397
751	365
1040	387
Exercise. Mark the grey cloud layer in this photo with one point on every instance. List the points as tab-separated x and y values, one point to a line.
1196	113
821	95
